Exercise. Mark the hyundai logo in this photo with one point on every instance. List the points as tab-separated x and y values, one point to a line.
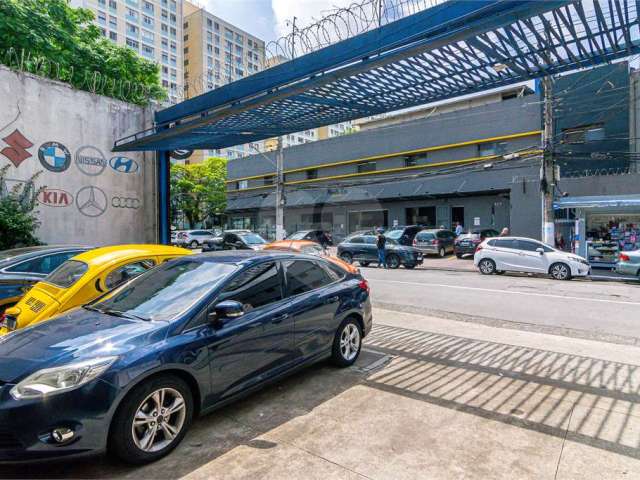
124	164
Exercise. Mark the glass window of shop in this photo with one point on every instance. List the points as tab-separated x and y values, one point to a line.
608	234
364	220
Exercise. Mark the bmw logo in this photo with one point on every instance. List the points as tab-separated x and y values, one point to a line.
54	156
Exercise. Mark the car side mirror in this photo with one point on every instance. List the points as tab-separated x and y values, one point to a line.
540	250
225	311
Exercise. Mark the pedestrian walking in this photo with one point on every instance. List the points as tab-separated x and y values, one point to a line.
459	229
504	232
382	255
324	242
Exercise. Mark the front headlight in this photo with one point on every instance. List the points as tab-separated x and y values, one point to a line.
50	381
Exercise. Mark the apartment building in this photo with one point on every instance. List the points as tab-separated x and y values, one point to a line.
153	28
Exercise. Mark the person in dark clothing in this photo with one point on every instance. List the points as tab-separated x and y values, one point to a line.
324	241
380	243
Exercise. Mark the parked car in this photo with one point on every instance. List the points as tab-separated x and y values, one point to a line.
467	243
237	240
435	242
84	278
195	238
363	249
517	254
629	263
20	268
403	235
131	371
296	246
311	235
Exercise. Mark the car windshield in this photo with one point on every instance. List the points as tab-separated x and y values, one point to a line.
469	236
67	274
165	292
391	241
312	250
394	234
297	236
252	239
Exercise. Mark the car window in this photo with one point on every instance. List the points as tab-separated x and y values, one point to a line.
67	274
127	272
500	243
356	240
312	250
425	236
336	272
528	245
370	240
252	239
394	234
230	238
255	287
45	264
304	276
297	236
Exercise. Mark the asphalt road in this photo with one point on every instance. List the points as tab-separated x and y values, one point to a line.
608	311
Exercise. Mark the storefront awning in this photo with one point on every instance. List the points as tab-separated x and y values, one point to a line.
602	201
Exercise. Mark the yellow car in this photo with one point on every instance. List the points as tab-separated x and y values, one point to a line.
84	278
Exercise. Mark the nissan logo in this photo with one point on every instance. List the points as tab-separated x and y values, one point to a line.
125	202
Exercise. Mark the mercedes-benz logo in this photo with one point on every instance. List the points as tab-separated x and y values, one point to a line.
91	201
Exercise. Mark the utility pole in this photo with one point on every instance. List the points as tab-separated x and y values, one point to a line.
280	190
547	171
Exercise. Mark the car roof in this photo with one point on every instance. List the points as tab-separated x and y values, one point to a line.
24	253
248	256
99	256
291	243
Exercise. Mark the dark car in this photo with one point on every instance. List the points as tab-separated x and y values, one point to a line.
435	242
130	371
236	240
363	249
312	235
20	268
467	243
403	235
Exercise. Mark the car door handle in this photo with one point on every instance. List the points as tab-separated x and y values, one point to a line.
280	318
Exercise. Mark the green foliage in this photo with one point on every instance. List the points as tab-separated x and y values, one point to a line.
199	190
52	39
18	220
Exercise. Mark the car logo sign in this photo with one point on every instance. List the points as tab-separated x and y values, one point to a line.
54	197
91	201
90	160
124	164
54	156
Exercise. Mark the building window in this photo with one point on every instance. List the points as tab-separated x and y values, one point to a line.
492	148
132	43
186	62
113	5
185	25
186	50
410	161
186	37
587	133
366	167
113	36
268	180
312	174
241	184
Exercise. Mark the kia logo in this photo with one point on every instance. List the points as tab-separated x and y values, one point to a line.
124	164
53	197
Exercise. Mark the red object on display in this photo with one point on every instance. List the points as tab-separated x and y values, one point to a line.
624	257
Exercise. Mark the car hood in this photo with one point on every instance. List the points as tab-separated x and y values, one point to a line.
76	335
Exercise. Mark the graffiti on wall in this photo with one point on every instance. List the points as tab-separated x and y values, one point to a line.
89	200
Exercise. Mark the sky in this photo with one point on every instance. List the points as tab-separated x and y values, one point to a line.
270	19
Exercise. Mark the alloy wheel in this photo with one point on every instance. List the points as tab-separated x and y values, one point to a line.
559	271
486	266
350	342
159	420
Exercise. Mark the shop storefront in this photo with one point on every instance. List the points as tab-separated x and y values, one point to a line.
599	228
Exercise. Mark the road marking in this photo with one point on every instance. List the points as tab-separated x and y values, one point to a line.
444	285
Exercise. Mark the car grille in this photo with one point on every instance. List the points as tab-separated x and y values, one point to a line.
34	304
8	440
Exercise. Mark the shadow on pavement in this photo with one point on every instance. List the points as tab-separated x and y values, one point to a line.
586	400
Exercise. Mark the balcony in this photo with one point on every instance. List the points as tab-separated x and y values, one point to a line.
133	3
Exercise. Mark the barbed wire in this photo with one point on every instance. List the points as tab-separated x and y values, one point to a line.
91	81
339	24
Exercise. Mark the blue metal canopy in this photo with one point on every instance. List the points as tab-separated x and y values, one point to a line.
452	49
617	201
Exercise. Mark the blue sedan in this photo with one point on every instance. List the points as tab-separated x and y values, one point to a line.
130	371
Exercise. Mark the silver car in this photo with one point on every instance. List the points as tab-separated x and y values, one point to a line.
629	263
195	238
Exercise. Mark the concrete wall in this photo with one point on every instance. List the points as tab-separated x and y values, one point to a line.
92	196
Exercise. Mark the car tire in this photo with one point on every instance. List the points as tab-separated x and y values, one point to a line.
393	261
364	264
410	266
346	257
560	271
193	244
124	442
347	343
487	266
442	252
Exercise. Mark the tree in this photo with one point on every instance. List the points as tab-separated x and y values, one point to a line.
52	39
18	221
199	190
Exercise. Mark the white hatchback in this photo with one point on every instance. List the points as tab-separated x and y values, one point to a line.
516	254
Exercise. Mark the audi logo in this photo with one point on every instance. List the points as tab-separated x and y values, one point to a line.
125	202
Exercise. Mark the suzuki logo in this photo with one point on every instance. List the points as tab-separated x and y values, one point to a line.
53	197
17	149
124	164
